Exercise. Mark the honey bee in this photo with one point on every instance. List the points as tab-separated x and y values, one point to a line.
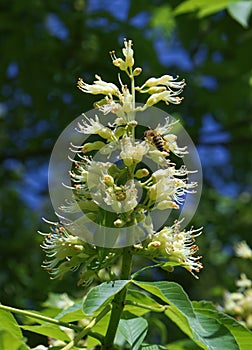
156	140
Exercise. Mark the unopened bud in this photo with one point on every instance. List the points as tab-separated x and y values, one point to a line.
133	123
154	244
137	71
91	146
108	180
118	223
153	192
140	173
106	133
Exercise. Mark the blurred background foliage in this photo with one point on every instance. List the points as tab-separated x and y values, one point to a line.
46	45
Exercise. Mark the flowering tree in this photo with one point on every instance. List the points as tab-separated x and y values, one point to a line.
122	179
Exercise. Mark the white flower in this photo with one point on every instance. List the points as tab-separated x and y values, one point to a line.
177	246
128	53
173	147
112	107
243	282
93	126
122	199
166	187
166	96
167	127
170	139
243	250
98	87
167	80
133	154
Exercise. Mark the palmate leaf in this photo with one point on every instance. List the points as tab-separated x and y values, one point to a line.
133	331
49	330
101	295
242	335
205	331
72	313
139	303
10	334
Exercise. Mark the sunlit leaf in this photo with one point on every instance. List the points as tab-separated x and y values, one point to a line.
72	313
206	332
139	303
242	335
51	330
202	7
240	11
102	295
10	335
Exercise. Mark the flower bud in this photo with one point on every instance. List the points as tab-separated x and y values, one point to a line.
137	71
108	180
140	173
91	146
154	244
106	133
118	223
153	192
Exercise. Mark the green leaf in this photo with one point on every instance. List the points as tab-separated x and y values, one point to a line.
10	334
51	330
240	11
171	293
9	323
101	295
203	7
9	341
100	328
242	335
153	347
72	313
139	303
204	331
185	344
133	331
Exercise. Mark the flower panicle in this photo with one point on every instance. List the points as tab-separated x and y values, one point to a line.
116	189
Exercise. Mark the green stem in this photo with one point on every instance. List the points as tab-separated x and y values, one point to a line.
91	324
118	302
87	330
39	317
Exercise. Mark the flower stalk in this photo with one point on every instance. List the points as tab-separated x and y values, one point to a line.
118	302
